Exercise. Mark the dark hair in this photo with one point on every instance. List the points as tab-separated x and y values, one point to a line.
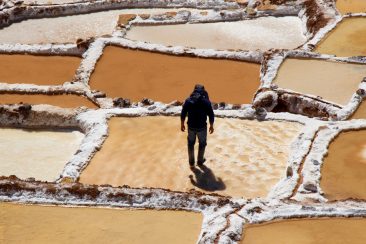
198	88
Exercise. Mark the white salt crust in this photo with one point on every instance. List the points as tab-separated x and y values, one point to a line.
222	223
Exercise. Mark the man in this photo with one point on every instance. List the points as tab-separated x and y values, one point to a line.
198	107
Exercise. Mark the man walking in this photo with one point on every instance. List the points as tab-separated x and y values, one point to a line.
198	107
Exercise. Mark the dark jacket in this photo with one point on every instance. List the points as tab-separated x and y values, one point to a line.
198	107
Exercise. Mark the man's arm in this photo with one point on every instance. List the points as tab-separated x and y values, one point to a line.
211	117
183	116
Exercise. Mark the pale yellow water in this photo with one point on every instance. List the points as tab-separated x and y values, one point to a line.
46	224
135	75
261	33
244	157
347	39
307	231
351	6
344	168
334	82
66	29
36	153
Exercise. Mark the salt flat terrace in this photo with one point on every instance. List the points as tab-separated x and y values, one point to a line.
35	69
347	39
51	224
244	158
307	231
141	74
41	154
256	34
333	81
63	100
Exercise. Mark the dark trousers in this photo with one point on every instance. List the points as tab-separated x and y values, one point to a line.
202	140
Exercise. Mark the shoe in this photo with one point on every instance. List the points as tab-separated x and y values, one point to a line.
200	163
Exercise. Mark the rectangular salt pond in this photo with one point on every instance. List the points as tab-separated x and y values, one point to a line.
333	81
41	154
346	40
63	101
138	74
307	231
244	157
66	29
51	224
256	34
344	167
351	6
39	70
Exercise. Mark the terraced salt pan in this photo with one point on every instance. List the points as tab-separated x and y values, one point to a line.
351	6
244	157
40	154
63	101
138	74
346	40
39	70
46	224
51	1
261	33
66	29
335	82
307	231
360	112
344	168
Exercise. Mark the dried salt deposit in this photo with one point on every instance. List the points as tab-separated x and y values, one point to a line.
314	77
40	154
307	231
51	224
244	158
66	29
39	70
262	33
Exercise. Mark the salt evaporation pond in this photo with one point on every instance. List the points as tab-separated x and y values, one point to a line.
351	6
333	81
66	29
244	157
344	167
346	40
307	231
52	1
39	70
63	101
141	74
51	224
41	154
260	33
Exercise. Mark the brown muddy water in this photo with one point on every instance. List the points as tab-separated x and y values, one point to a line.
39	70
41	154
307	231
256	34
138	74
51	224
244	157
333	81
347	39
351	6
63	101
360	112
344	167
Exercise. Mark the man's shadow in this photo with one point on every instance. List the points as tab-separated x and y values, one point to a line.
206	180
